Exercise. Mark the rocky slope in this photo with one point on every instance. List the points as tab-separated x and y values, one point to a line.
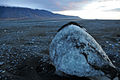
27	13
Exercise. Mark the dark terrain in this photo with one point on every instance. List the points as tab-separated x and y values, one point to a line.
24	45
19	13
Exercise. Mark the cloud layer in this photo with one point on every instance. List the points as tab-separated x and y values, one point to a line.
54	5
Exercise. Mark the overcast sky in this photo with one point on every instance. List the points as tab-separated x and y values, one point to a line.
88	9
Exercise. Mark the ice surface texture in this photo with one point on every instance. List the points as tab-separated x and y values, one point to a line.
75	52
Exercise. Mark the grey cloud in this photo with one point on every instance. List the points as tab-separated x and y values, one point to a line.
117	9
54	5
114	10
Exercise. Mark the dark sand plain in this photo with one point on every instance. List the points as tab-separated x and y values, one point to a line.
24	45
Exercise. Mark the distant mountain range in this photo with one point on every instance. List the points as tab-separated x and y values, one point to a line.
11	13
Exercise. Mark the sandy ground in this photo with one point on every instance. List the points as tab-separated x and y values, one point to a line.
24	44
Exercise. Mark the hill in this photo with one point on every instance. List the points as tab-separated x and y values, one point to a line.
27	13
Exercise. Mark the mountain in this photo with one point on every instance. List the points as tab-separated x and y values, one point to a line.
27	13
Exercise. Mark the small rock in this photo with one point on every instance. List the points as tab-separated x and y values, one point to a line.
107	41
5	30
1	63
2	71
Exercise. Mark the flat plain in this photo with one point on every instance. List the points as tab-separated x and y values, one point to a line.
24	46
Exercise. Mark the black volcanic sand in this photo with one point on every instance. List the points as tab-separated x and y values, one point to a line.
24	44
